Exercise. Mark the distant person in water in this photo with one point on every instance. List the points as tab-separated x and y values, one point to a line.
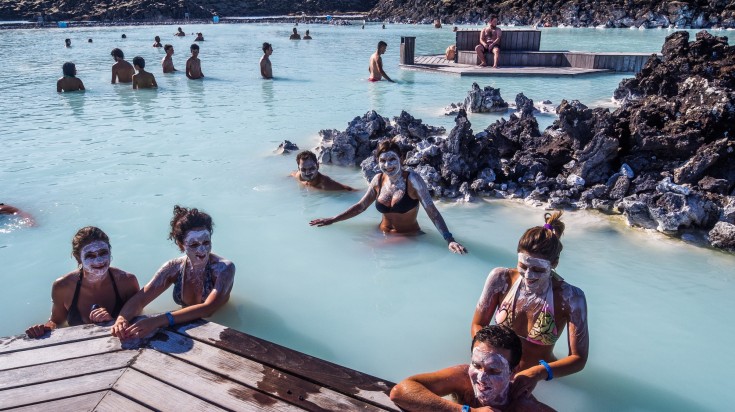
265	62
157	42
384	26
376	64
455	28
397	194
194	65
94	292
309	175
489	41
69	82
124	36
179	32
167	63
307	36
14	211
89	40
295	35
200	37
122	71
67	42
143	79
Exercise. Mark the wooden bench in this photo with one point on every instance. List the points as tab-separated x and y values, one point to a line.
510	40
518	58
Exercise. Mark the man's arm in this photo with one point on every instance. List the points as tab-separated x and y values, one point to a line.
262	69
153	81
482	38
425	392
114	75
380	67
58	86
495	42
81	85
188	69
135	81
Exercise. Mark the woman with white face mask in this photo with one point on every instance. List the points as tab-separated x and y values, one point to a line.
202	281
397	194
95	292
537	304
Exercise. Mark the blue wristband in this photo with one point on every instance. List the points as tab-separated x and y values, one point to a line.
465	408
549	372
447	236
170	319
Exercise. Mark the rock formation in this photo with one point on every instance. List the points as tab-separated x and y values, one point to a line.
479	100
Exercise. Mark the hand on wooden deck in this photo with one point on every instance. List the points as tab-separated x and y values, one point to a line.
36	331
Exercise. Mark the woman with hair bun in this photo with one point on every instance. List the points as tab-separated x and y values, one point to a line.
95	292
202	281
537	304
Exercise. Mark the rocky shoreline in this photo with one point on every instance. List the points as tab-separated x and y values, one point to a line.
664	159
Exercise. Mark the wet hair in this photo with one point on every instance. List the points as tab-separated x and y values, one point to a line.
266	46
492	16
501	337
294	30
382	44
194	47
167	46
117	53
67	41
139	61
89	40
388	146
306	155
124	36
179	29
157	38
69	69
85	236
544	240
185	220
307	32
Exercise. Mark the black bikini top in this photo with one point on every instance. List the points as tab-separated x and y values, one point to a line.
74	317
404	205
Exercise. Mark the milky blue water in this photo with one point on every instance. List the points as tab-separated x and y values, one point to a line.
659	309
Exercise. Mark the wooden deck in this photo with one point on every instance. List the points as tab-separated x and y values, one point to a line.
437	63
199	366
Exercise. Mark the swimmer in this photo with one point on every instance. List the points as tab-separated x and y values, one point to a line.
167	63
534	301
265	62
157	42
202	281
124	36
14	211
397	194
200	37
295	35
483	385
70	82
309	175
193	64
384	27
94	292
122	71
89	40
179	32
67	42
376	64
306	36
143	79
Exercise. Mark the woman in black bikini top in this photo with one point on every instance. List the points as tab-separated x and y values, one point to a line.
397	194
96	292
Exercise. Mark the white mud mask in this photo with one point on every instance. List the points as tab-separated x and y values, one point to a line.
389	163
197	246
308	170
536	273
489	373
96	258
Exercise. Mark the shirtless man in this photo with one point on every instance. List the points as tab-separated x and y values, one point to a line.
69	83
376	64
306	36
483	385
295	35
143	79
157	42
67	42
168	63
179	32
122	71
265	62
200	37
194	65
309	175
489	40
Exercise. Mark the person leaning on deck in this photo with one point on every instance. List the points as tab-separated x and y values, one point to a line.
483	385
397	194
201	280
95	292
537	304
489	41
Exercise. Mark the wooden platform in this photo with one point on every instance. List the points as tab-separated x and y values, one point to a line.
437	63
199	366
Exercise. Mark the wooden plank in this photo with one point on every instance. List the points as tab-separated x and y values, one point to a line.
85	402
64	369
59	352
537	41
57	336
333	376
157	395
276	383
49	391
114	402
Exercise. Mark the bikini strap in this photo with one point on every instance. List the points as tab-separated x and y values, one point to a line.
76	291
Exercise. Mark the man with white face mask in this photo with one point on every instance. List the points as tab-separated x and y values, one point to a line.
309	175
483	385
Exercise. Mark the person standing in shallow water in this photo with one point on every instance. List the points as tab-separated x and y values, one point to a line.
122	71
397	194
202	281
309	175
70	82
266	70
534	301
157	42
95	292
67	42
194	65
142	79
376	64
295	35
307	36
167	63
